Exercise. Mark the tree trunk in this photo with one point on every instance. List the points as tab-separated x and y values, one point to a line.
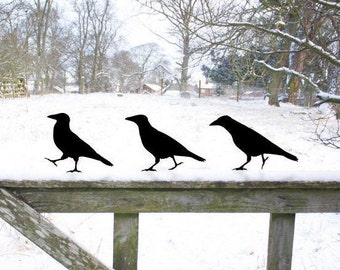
278	78
295	82
185	64
274	88
43	19
298	58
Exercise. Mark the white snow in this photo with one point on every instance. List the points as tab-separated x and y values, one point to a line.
168	241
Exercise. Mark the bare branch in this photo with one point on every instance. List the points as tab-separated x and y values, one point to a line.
329	4
289	71
326	97
276	32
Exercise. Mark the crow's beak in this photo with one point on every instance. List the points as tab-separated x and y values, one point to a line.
138	119
53	116
131	118
215	123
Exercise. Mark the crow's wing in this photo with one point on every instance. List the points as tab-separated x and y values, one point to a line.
253	143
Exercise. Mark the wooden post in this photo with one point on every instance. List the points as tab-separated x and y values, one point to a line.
44	234
280	242
125	252
199	88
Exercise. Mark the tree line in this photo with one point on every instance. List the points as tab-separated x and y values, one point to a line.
50	45
289	46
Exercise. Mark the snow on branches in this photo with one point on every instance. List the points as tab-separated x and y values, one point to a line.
326	97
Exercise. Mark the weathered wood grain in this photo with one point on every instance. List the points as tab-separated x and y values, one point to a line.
159	184
45	235
179	197
125	253
129	198
280	242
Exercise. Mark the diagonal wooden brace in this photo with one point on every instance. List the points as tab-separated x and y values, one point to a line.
44	234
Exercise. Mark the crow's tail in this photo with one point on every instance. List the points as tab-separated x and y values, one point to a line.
196	157
290	156
105	161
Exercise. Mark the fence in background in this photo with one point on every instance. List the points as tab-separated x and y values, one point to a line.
21	203
13	87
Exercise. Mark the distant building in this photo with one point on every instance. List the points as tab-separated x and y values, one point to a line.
207	89
149	88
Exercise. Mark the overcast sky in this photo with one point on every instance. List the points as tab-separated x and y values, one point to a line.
136	24
139	26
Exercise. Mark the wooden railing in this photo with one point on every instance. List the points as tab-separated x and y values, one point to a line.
22	201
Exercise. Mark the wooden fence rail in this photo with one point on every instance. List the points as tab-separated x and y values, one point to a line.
13	87
22	201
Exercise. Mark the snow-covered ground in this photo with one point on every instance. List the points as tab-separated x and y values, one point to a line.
169	241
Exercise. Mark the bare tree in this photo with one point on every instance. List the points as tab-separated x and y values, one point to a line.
48	45
124	67
33	43
81	37
95	35
297	33
58	54
14	38
103	36
181	16
41	19
149	58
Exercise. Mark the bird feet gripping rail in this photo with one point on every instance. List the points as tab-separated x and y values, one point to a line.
240	169
74	170
151	169
54	161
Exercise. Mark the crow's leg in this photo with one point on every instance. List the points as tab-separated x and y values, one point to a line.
263	161
241	168
54	161
75	165
176	164
151	168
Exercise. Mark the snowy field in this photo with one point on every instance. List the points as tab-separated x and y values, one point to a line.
169	241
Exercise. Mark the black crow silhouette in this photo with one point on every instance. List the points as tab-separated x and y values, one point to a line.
249	141
70	144
159	144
